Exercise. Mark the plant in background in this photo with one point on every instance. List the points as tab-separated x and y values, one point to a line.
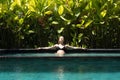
34	23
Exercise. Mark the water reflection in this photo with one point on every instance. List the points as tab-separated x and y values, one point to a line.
18	68
60	72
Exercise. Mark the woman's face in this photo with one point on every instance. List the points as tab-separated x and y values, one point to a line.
61	40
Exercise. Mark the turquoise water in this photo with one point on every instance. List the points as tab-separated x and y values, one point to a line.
60	69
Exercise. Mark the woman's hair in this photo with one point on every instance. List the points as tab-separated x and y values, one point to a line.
60	38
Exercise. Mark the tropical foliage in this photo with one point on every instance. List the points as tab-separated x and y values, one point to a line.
35	23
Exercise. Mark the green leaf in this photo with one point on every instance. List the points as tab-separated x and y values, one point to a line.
22	37
31	8
111	1
16	18
0	8
88	23
12	6
31	31
18	2
68	10
61	30
89	5
80	25
60	9
103	13
93	32
31	5
21	21
80	37
54	22
65	19
48	12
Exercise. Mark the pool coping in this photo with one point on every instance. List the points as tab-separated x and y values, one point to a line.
83	53
53	50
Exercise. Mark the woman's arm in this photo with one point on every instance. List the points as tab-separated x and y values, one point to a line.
72	47
52	47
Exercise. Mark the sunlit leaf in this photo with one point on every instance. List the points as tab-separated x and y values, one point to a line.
50	43
70	2
102	22
18	2
31	8
103	13
22	37
84	46
69	10
88	23
14	3
12	6
80	25
54	22
47	4
60	9
61	30
111	1
103	7
77	14
80	37
89	5
31	5
31	31
48	12
16	18
21	21
55	7
0	7
64	19
93	32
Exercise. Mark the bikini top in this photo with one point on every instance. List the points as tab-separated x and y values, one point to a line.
60	48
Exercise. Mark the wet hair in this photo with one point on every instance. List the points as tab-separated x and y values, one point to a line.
61	37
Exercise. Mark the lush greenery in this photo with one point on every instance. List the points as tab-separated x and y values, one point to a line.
35	23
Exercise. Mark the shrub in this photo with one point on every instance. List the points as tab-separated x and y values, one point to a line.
34	23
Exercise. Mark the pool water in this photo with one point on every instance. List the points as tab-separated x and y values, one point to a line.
60	69
66	55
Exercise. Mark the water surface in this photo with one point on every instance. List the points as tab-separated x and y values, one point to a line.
60	69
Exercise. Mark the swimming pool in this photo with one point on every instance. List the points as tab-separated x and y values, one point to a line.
72	66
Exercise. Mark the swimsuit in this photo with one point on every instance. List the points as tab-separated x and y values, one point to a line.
58	48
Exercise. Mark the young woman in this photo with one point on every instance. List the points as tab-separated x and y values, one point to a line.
60	47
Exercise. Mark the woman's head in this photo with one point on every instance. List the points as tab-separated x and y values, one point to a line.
61	40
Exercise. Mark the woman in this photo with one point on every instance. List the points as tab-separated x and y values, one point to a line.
60	47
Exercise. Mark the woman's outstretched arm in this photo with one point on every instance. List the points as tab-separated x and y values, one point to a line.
72	47
52	47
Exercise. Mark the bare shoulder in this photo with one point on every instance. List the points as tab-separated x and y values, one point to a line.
56	45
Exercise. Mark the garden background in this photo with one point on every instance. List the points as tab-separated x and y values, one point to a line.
36	23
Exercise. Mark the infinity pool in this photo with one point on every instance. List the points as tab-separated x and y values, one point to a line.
60	68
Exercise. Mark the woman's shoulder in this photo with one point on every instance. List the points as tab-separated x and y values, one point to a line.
56	45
